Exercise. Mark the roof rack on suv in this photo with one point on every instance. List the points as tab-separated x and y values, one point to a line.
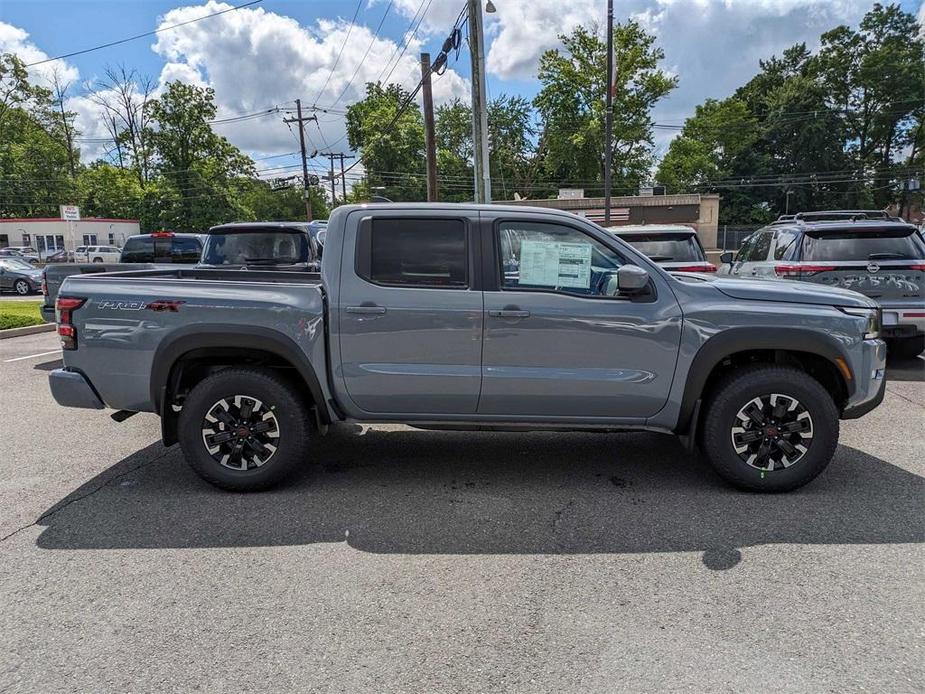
837	215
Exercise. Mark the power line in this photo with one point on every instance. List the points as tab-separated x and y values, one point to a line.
339	53
363	59
408	38
140	36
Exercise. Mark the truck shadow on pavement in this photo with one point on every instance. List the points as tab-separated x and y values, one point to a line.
483	493
906	369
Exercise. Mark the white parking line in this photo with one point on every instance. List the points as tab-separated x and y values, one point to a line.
33	356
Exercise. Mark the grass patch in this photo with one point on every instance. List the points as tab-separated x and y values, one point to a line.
18	314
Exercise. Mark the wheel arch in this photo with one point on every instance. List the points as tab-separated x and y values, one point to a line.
224	346
814	352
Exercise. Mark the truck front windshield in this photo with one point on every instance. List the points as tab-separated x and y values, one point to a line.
256	248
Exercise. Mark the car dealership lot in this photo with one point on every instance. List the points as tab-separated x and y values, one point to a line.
419	561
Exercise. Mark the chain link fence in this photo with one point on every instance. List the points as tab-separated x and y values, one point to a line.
730	237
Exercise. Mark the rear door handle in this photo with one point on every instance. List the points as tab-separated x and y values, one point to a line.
508	313
366	310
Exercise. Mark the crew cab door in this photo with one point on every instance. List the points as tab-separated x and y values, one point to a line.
410	313
558	343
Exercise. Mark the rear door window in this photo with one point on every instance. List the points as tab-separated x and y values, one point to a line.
863	244
415	253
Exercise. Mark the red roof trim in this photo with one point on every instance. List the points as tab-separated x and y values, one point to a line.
20	220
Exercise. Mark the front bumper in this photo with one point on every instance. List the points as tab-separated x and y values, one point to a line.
869	370
72	389
903	321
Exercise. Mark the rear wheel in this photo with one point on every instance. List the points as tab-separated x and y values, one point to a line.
770	428
244	429
97	260
906	347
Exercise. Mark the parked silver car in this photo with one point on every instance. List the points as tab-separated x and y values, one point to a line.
19	276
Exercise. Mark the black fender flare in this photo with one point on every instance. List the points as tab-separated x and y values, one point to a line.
742	339
223	336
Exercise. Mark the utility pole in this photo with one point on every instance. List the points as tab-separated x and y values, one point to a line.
608	127
300	120
429	137
343	179
479	103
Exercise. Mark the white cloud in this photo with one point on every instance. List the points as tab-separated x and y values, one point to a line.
16	40
255	59
439	17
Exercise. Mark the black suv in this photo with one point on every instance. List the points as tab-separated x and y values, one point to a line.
867	251
162	247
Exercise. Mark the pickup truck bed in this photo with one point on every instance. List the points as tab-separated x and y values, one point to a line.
465	316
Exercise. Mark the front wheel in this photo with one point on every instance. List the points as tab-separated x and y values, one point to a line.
22	287
97	260
244	429
770	428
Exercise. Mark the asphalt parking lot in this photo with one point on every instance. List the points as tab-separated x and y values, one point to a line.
408	561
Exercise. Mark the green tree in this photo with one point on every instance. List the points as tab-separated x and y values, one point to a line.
875	77
109	191
512	152
34	156
572	105
197	166
262	201
453	133
391	141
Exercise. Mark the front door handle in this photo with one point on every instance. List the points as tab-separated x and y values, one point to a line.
366	310
508	313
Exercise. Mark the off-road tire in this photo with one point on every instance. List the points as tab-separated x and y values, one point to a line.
734	392
288	406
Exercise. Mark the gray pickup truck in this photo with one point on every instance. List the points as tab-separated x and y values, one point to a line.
479	317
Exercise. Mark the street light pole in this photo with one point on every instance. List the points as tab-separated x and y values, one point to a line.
608	126
479	103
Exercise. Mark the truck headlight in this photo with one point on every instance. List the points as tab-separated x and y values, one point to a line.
873	316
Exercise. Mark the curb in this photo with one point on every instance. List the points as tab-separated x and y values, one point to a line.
27	330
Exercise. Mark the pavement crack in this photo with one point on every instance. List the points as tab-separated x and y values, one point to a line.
54	511
900	395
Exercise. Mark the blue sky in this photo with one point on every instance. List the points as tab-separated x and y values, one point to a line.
282	49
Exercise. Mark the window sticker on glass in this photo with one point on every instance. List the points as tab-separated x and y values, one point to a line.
554	264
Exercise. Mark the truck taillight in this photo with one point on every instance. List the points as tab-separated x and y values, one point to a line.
918	266
44	287
65	307
801	270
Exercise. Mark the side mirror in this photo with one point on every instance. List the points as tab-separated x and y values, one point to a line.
631	279
727	258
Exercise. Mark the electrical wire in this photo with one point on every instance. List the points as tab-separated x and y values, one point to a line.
141	36
363	59
339	53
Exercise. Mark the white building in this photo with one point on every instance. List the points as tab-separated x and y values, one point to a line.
51	234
